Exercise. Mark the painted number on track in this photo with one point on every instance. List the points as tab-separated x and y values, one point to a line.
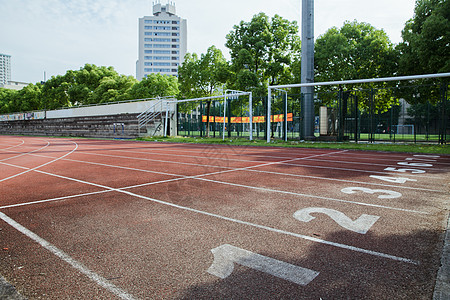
392	179
226	256
361	225
386	194
412	171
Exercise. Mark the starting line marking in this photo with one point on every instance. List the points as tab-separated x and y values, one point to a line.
226	256
103	282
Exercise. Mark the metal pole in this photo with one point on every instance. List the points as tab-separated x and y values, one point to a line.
224	114
269	104
285	118
251	115
307	66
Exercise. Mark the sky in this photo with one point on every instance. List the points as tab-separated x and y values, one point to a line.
52	36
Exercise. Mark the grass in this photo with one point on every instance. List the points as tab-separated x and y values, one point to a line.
386	147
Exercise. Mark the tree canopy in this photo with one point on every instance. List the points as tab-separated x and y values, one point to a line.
89	85
426	39
262	52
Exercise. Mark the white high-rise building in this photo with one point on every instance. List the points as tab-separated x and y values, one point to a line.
5	68
162	42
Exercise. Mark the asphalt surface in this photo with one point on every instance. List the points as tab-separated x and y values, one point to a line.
92	219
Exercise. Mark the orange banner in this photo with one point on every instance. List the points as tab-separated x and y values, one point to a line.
240	120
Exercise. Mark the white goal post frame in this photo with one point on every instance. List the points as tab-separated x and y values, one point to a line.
225	97
356	81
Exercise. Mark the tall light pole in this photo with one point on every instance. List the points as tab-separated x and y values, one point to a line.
307	75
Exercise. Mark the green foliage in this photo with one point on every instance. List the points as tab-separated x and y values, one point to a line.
89	85
357	51
202	77
262	52
426	38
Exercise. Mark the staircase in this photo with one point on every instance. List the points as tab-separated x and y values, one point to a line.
150	122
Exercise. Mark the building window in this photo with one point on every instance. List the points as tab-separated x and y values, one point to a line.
148	21
148	70
161	33
176	28
175	22
162	28
161	64
161	46
175	46
162	51
148	57
148	27
161	57
175	40
148	64
175	52
175	34
147	45
148	51
162	70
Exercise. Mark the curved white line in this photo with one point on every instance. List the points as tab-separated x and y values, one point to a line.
23	142
19	155
40	166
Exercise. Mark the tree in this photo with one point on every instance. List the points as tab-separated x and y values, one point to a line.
262	52
203	77
78	87
426	39
155	85
8	100
356	51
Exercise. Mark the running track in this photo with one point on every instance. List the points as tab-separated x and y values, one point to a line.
96	219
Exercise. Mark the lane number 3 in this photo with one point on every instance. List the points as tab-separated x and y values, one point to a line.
386	194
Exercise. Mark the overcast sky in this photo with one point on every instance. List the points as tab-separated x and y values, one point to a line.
59	35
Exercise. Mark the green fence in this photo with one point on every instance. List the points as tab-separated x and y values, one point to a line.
415	113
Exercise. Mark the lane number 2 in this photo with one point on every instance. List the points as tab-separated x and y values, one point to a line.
361	225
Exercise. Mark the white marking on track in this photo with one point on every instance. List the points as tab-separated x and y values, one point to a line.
11	147
40	166
226	256
27	153
305	237
361	225
103	282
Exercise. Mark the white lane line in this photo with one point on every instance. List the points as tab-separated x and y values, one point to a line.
203	158
53	199
347	181
11	147
101	281
40	166
362	163
305	237
199	177
250	169
27	153
313	196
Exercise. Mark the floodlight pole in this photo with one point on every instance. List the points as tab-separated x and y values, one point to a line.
307	68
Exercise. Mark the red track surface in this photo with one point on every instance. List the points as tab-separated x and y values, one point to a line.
93	219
